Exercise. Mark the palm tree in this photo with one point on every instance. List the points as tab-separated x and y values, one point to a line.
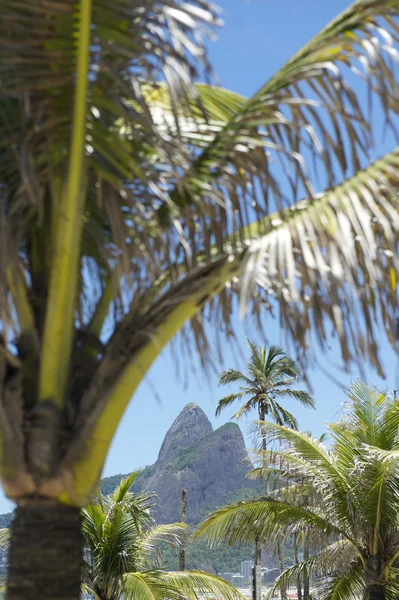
352	512
123	556
130	207
271	377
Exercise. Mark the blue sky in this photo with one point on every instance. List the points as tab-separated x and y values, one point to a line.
259	35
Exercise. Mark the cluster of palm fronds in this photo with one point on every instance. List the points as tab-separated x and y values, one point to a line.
123	552
343	498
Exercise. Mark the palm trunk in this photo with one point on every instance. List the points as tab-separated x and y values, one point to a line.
306	582
374	592
182	552
45	555
258	552
283	587
296	559
258	548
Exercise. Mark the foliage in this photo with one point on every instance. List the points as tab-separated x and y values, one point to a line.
351	512
272	376
123	556
130	197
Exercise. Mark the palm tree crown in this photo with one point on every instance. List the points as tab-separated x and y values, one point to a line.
123	557
352	494
271	377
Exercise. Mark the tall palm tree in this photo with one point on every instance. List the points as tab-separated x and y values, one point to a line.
123	558
129	207
271	377
352	511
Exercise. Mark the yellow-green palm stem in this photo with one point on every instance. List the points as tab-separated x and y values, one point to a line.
86	469
58	331
102	308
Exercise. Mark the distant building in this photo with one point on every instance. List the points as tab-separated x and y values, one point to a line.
232	578
238	580
246	569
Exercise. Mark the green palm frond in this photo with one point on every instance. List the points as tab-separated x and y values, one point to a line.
229	399
245	521
233	376
195	584
190	585
87	590
149	543
281	416
5	536
337	557
123	488
149	585
345	587
301	396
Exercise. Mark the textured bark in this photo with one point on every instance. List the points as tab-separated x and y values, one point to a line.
374	592
45	555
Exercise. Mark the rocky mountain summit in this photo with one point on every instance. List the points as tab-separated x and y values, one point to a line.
210	465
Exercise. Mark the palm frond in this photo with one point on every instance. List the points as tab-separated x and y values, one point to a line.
245	521
197	584
337	557
149	585
122	489
233	376
87	590
345	587
347	235
227	401
301	396
5	536
171	533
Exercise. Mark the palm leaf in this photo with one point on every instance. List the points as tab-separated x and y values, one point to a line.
197	584
245	521
123	488
335	558
347	586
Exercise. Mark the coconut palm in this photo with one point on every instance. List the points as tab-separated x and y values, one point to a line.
271	377
133	201
123	556
352	512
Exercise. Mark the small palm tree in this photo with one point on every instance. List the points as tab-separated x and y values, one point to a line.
352	512
123	558
271	377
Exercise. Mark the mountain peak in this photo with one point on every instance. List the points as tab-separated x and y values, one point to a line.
190	426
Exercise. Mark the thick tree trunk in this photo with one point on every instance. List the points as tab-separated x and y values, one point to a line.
374	592
45	555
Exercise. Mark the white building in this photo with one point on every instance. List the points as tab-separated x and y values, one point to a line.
246	569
